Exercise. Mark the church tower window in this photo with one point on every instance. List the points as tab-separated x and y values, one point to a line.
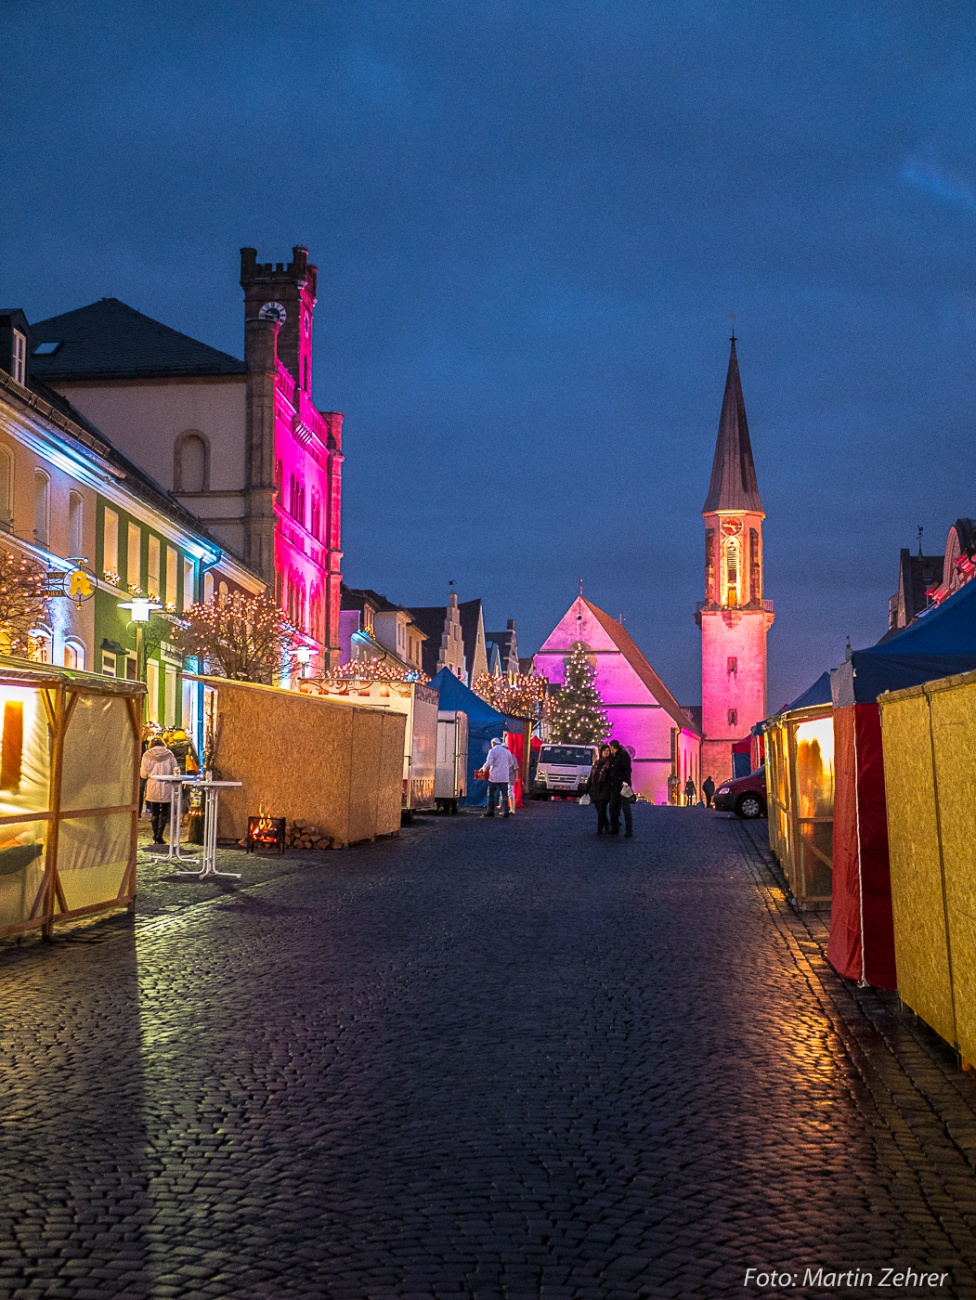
733	566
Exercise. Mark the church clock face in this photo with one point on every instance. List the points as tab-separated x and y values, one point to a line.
273	311
731	527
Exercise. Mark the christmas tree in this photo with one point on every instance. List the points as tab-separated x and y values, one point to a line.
576	714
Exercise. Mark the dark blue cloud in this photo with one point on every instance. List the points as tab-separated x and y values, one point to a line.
531	223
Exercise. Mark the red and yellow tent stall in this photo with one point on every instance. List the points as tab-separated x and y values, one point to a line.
69	787
928	734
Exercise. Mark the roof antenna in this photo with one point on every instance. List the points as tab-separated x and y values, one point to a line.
920	531
848	652
732	319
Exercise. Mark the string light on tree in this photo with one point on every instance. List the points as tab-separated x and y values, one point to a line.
245	638
576	713
24	603
523	696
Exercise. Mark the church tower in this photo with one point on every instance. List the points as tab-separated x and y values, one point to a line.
734	617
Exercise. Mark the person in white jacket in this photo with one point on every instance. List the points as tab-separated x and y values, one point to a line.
158	761
500	763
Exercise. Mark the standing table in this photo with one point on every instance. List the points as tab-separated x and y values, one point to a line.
211	794
173	854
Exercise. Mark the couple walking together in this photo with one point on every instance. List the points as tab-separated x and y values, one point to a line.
611	773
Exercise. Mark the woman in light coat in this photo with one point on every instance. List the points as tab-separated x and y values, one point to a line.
158	761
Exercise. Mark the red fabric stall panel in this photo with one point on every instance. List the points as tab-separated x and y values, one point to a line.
878	939
515	741
844	948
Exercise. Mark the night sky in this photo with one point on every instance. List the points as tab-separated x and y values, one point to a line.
531	222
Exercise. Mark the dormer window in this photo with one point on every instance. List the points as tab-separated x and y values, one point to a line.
46	349
19	357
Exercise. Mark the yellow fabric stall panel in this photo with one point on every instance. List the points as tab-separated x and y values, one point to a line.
921	948
953	705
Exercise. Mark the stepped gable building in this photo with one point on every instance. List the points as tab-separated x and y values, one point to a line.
444	647
474	639
644	716
734	617
238	443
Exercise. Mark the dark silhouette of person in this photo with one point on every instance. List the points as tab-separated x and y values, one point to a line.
620	775
708	789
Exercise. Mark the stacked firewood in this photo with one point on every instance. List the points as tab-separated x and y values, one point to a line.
300	834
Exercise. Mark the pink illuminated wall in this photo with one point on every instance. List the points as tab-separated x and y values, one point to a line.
642	712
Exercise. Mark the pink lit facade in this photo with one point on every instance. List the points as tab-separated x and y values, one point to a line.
734	617
293	518
643	714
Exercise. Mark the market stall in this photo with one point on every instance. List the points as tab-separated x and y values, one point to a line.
484	723
334	763
799	753
69	785
927	735
940	643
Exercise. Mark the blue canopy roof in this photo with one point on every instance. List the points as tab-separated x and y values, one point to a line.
939	643
818	693
484	724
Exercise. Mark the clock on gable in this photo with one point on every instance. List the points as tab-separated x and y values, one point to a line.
273	311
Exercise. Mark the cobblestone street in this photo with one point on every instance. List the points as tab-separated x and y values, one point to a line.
513	1060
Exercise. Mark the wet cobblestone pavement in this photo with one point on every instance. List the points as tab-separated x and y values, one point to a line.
505	1060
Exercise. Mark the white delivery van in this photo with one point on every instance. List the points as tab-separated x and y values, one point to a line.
563	769
451	778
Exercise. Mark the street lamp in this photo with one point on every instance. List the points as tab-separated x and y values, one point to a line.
304	656
142	611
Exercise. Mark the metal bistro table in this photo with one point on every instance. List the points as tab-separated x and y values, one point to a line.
211	795
173	854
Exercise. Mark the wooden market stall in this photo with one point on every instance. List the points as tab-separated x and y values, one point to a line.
800	793
69	794
927	736
335	763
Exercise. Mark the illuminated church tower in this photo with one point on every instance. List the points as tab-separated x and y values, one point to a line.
734	618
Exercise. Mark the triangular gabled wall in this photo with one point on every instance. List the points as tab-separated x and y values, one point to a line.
644	715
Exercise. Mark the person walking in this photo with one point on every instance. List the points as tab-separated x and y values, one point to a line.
158	761
620	776
599	789
690	791
498	765
708	789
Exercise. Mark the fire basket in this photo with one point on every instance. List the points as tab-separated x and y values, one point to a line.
266	831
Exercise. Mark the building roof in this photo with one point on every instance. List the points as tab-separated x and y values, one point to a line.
109	340
430	619
733	484
471	619
622	639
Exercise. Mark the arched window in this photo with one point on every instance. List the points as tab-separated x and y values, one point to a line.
709	565
315	522
191	463
76	525
42	644
223	591
74	654
6	490
208	588
733	571
42	507
755	568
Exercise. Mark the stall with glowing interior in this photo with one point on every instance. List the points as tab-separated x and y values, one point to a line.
800	793
69	787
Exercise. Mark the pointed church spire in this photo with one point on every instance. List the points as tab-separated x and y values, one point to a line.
733	484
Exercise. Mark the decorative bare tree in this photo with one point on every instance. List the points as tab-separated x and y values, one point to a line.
23	603
246	638
521	697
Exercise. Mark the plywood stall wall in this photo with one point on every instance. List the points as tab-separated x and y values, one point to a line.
928	746
335	764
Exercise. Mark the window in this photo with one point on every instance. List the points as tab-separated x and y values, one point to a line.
76	526
732	571
169	697
733	664
223	591
755	567
315	523
152	690
108	664
733	717
74	655
42	507
297	503
208	588
46	349
172	560
19	357
191	463
187	583
110	547
6	489
133	556
42	644
153	589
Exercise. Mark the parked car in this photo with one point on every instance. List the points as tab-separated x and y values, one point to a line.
745	796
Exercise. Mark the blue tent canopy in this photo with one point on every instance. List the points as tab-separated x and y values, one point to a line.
484	723
818	693
939	643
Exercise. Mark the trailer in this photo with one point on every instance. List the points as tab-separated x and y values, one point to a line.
451	780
